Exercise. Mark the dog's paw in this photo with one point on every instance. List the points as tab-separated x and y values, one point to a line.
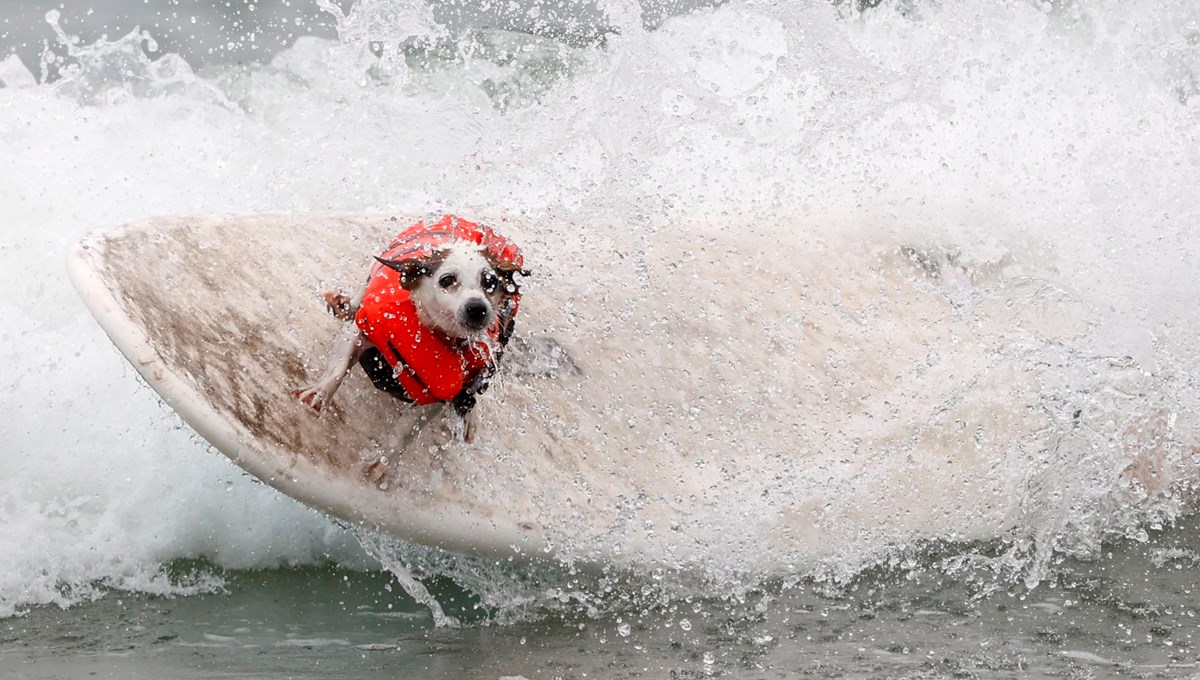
376	473
316	396
339	304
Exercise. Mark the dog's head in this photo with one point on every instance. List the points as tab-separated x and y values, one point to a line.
458	290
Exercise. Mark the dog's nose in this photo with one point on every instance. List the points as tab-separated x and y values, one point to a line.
475	313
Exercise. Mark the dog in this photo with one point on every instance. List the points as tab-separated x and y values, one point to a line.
432	321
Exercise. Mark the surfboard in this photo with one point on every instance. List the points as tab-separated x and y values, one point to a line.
671	393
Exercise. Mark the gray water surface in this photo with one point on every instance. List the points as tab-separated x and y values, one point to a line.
1131	613
255	30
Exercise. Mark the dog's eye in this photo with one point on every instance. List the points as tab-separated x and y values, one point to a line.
447	280
489	281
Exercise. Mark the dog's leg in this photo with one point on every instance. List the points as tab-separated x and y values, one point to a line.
346	351
343	306
470	424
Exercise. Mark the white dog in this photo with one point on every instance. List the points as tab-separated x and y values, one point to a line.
433	319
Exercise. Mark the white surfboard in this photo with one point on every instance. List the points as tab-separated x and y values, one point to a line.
670	394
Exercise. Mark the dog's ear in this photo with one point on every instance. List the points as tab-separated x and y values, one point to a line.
411	270
507	269
508	276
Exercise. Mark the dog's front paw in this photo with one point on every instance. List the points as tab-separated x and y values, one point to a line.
340	305
317	395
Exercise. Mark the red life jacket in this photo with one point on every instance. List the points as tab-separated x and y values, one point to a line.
430	365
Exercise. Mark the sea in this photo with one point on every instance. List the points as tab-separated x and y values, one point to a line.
1065	131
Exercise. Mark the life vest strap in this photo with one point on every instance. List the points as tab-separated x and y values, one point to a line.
382	375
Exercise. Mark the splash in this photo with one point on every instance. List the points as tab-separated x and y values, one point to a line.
105	71
14	74
392	560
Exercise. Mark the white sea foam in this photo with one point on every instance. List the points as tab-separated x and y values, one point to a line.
1064	133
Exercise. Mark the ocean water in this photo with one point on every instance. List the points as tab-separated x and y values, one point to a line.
1063	137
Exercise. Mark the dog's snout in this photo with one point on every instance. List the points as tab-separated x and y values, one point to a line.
475	313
